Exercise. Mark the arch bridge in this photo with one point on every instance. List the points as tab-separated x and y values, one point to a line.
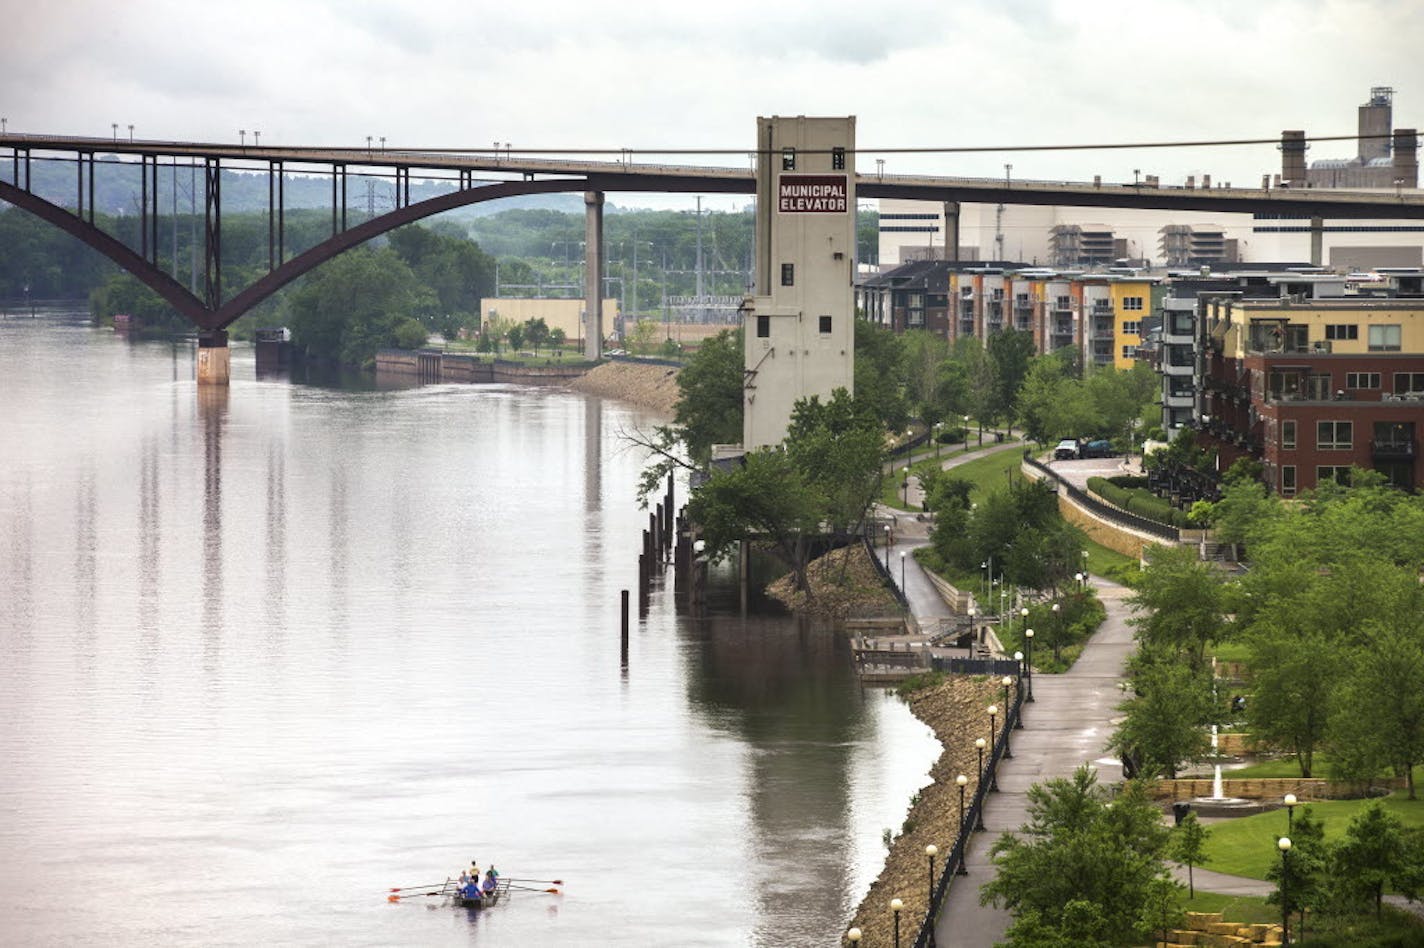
492	175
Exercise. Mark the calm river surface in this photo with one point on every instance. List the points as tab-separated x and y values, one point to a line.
267	654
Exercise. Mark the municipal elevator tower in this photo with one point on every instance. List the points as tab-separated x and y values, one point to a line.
799	329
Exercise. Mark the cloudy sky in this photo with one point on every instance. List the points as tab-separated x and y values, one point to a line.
563	73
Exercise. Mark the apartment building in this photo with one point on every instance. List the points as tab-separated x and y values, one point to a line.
1314	386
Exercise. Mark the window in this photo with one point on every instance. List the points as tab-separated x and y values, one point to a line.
763	327
1288	480
1332	473
1334	435
1362	379
1180	324
1317	387
838	159
1179	355
825	324
1132	302
1129	352
1132	326
788	274
1180	386
788	159
1342	331
1408	383
1384	338
1063	302
1288	435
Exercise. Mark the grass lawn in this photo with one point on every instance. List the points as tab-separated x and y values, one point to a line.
1230	652
1276	767
1101	559
986	473
1246	909
1247	846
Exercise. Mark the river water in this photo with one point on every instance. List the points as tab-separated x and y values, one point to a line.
268	652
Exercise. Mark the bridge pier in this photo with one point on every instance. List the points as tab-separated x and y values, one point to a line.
951	230
214	358
593	275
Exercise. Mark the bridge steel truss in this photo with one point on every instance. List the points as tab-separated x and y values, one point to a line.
212	313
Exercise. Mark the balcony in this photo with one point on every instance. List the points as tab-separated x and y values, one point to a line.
1102	307
1102	329
1392	449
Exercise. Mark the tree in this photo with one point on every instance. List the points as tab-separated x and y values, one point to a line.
411	334
557	338
838	447
1304	869
515	335
1080	871
536	333
1378	718
1011	352
1189	847
1166	719
1374	854
1181	603
1294	672
880	373
709	406
348	308
764	497
924	353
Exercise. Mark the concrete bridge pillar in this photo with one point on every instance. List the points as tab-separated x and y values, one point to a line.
214	358
1317	241
951	230
593	275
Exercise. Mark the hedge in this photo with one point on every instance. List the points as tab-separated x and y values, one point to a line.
1137	501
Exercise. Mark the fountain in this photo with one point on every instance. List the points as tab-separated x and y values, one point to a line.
1218	804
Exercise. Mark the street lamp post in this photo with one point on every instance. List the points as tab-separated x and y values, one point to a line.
256	138
1028	661
931	851
130	133
1006	681
887	548
993	742
853	936
1079	578
905	483
1057	629
966	434
1019	660
895	907
1284	845
242	137
902	571
939	425
1290	802
116	130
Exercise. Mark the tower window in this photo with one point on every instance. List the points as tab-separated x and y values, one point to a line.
838	158
788	159
825	324
763	327
788	274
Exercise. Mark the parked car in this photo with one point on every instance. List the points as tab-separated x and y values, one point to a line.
1066	450
1098	449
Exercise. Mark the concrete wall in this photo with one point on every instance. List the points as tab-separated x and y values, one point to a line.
437	367
1268	789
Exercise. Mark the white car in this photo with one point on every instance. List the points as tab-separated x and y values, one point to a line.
1066	450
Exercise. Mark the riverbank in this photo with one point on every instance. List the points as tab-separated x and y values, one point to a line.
844	584
954	709
646	385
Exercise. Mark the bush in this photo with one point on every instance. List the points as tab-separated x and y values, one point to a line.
410	334
953	436
1128	481
1137	501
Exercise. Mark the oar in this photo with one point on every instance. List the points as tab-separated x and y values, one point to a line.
530	888
407	888
544	881
414	895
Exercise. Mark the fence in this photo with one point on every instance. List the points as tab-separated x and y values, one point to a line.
955	861
1104	510
883	570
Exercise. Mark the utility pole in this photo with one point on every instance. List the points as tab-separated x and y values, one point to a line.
701	307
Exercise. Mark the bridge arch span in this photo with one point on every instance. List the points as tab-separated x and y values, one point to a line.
228	312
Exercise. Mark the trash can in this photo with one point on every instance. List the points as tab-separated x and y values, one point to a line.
1179	812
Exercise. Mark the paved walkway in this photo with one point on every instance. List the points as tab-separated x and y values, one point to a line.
1068	725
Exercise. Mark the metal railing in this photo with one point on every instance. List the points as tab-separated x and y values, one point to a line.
1105	510
882	569
971	818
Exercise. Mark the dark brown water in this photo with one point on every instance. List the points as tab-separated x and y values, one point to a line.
265	655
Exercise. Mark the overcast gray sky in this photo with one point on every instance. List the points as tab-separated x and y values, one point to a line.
560	73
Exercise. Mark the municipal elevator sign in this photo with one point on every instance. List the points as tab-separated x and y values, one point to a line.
812	194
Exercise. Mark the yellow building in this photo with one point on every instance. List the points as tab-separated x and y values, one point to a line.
1131	300
565	314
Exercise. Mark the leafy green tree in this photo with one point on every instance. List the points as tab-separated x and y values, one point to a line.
1011	352
1306	869
1165	721
880	373
536	333
1189	847
557	338
838	447
348	308
1080	871
1181	603
1374	855
709	406
1294	672
1378	717
515	335
411	334
924	353
766	496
